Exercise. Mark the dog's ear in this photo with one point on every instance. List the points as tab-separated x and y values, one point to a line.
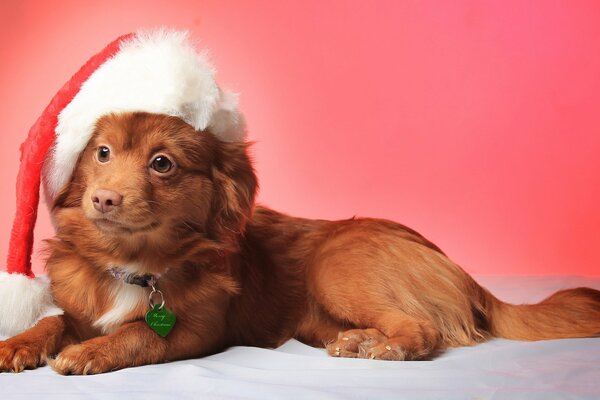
70	195
235	187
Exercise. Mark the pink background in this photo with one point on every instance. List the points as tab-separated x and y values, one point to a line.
476	123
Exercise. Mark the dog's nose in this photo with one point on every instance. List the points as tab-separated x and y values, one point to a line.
105	200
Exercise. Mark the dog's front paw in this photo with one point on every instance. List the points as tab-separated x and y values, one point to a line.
82	359
15	356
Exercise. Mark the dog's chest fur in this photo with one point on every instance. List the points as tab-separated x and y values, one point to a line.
127	302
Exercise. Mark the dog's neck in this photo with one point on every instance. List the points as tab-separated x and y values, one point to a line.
135	273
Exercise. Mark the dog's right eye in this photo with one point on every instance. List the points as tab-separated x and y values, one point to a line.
103	154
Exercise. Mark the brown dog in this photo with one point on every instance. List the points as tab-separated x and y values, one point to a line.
152	202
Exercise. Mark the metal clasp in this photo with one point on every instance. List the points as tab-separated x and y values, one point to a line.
153	293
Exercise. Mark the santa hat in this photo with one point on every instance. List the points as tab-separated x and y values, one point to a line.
158	72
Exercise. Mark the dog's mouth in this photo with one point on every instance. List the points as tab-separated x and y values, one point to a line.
111	226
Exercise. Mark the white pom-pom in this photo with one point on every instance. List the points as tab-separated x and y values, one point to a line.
23	302
227	123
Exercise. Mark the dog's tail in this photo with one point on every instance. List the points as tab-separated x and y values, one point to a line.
571	313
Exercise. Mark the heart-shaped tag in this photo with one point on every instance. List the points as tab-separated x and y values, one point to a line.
160	320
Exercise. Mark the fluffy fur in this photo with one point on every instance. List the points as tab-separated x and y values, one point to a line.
23	302
239	274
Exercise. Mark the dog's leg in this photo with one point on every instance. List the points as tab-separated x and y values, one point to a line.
30	349
396	337
131	345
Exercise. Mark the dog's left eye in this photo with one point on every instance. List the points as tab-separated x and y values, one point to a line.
161	164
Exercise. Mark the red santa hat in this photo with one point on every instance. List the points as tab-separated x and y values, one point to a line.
159	72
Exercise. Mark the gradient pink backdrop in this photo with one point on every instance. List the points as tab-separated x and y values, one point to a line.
476	123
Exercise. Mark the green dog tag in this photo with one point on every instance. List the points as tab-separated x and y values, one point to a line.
161	321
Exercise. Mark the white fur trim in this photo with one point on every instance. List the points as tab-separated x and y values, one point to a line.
227	122
23	302
159	72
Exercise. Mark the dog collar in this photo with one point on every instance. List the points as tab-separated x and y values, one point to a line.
146	280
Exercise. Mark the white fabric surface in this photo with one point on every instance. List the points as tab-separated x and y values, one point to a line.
499	369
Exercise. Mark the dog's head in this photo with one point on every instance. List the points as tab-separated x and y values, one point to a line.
144	178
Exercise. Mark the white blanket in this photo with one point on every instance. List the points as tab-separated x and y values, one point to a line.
499	369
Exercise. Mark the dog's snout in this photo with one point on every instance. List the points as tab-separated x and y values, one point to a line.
106	200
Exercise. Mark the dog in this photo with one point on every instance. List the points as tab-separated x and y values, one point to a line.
161	218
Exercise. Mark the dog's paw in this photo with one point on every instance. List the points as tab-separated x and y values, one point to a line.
82	359
17	356
344	347
386	351
355	343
